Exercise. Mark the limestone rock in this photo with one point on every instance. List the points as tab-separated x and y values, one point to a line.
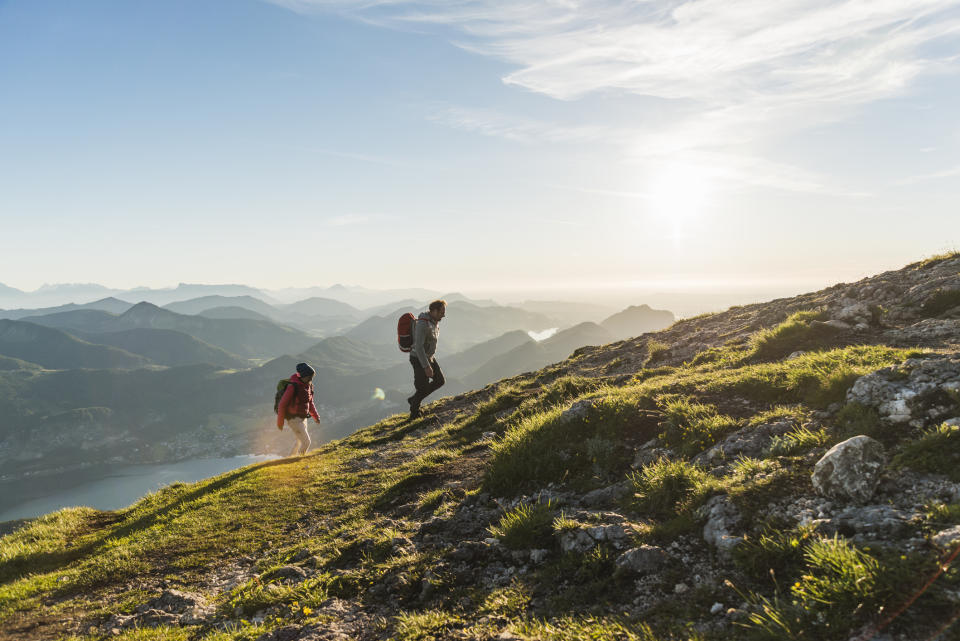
722	516
870	523
905	392
642	560
749	441
947	538
286	573
850	470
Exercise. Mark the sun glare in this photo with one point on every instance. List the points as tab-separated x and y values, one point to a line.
677	195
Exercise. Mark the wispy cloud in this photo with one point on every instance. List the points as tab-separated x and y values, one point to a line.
718	52
493	123
946	173
737	74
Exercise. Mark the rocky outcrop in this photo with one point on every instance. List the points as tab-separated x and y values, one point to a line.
850	470
917	392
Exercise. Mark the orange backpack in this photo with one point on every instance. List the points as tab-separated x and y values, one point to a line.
405	331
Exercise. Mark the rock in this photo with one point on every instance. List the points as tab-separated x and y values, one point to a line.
680	588
870	523
717	608
302	555
432	526
177	601
538	556
606	495
578	411
468	551
286	573
947	538
902	393
749	441
850	470
794	355
154	618
642	560
646	456
721	516
576	540
852	312
833	323
284	633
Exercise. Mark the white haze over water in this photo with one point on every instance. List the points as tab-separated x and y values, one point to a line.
544	334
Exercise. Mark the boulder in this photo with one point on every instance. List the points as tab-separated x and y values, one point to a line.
286	573
749	441
641	560
850	470
871	523
721	517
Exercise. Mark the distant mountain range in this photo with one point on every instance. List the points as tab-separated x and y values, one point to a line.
140	377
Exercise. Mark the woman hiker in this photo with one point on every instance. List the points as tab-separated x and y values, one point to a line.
296	406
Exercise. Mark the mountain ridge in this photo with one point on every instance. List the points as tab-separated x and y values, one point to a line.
700	482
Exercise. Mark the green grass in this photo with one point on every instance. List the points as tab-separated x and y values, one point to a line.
937	451
692	427
547	446
664	489
796	333
799	440
526	526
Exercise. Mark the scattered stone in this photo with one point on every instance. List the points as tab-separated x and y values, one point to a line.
680	588
850	470
717	608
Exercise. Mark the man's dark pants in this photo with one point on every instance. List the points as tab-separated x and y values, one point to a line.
424	385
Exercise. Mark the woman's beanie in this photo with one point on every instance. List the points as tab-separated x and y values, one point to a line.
305	370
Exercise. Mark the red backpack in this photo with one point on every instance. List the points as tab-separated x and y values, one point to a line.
405	331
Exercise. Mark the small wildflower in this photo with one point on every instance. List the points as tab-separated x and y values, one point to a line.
307	611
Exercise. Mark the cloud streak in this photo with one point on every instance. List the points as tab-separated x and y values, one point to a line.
735	74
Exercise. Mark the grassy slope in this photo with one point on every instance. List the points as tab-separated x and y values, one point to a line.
350	502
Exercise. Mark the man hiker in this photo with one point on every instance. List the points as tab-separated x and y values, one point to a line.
425	366
296	406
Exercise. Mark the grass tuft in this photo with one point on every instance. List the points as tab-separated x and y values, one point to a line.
526	526
664	488
937	451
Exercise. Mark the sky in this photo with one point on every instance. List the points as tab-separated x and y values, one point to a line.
483	146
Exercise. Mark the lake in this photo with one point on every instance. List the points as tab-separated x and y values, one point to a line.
106	487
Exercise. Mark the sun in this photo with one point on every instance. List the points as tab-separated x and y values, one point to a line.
678	194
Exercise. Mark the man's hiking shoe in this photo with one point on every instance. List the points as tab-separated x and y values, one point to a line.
414	409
